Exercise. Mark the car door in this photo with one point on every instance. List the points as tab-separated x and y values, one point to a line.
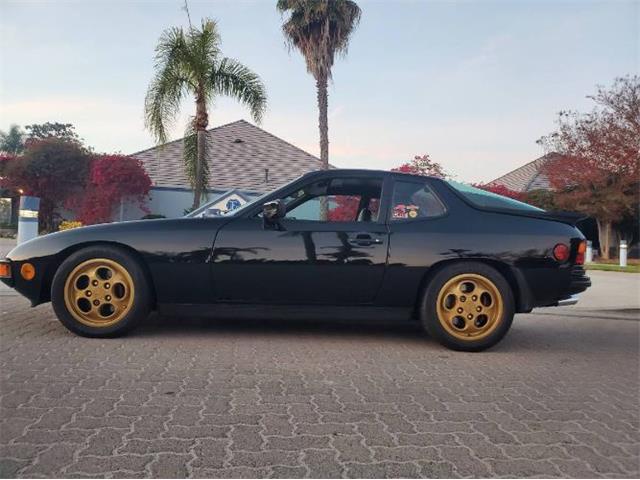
334	258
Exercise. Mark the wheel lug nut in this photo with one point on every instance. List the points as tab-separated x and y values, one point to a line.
478	309
463	298
460	310
88	293
96	302
94	283
474	298
108	299
106	285
469	316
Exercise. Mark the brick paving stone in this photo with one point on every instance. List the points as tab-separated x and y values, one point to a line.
170	465
383	470
182	397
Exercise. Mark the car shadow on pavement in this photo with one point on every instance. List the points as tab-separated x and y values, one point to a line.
528	334
161	325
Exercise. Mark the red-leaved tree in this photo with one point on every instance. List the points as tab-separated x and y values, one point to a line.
597	171
422	165
112	179
501	190
343	208
53	169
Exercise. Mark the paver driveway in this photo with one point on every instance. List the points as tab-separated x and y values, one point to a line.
558	397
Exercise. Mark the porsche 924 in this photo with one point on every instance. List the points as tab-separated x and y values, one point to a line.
338	243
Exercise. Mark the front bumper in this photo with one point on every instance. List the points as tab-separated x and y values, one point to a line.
6	272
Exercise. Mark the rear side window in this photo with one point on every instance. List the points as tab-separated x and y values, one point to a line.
483	199
414	201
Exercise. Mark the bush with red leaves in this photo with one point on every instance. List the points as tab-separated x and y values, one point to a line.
422	165
112	178
502	190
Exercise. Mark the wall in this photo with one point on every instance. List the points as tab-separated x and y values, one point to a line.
170	202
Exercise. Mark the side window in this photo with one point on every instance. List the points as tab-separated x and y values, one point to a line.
346	200
414	200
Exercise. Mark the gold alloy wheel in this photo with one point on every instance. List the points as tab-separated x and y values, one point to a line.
469	306
99	292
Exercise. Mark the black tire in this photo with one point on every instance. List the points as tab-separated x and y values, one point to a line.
138	302
429	307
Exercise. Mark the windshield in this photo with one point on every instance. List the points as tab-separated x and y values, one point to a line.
242	208
484	199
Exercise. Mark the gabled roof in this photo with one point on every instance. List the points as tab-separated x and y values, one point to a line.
528	177
238	154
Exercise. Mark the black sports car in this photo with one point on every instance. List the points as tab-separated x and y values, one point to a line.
337	243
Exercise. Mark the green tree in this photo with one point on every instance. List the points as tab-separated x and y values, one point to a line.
320	30
63	131
190	63
12	142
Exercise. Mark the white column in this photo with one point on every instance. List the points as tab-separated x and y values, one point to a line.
589	254
28	218
623	253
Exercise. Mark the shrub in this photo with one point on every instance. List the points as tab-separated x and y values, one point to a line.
69	224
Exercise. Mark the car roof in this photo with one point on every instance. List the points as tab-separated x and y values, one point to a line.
363	172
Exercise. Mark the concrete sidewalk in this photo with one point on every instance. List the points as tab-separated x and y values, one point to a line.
6	244
614	293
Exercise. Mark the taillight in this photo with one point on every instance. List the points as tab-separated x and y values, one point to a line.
561	252
582	248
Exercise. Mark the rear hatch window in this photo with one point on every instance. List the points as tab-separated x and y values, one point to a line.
484	199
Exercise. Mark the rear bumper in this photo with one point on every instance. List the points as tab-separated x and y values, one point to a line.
555	287
579	280
572	300
578	283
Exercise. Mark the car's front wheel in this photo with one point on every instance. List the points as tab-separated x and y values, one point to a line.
468	306
100	291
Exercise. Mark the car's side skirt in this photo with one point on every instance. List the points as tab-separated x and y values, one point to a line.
286	312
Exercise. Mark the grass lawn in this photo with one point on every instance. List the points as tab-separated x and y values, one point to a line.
608	267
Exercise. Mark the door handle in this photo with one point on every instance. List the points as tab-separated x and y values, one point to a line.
364	240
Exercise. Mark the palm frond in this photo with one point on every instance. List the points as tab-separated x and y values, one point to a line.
203	48
168	86
319	29
230	77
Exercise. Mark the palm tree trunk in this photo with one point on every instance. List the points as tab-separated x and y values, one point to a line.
323	125
198	189
323	122
201	121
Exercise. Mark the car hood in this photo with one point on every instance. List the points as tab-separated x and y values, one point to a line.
137	234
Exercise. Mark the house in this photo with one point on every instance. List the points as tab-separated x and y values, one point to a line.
528	177
244	161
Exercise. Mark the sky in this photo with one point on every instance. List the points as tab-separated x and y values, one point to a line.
473	84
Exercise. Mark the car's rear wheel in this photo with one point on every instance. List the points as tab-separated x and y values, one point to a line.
100	291
468	306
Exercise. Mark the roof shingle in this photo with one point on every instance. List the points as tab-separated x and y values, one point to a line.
238	154
527	177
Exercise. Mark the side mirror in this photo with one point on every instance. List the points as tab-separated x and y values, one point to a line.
272	212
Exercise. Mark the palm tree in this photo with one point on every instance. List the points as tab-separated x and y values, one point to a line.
320	29
190	63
